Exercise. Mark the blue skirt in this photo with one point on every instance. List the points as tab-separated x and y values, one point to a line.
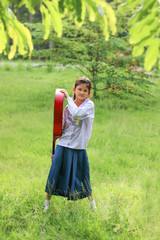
69	174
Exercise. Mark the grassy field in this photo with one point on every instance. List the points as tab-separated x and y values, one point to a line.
123	154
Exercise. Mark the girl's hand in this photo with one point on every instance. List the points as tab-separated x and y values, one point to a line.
52	155
65	93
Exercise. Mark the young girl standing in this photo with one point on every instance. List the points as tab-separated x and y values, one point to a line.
69	174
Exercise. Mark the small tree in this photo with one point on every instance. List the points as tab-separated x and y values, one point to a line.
93	55
88	52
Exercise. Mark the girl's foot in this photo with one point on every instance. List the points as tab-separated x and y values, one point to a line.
46	205
92	204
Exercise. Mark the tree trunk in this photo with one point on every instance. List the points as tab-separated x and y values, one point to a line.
50	44
94	89
30	18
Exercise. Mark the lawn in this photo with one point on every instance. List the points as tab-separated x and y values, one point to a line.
123	154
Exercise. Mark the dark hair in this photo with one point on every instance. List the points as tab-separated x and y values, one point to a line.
83	80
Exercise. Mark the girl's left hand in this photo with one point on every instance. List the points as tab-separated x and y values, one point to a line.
52	155
65	93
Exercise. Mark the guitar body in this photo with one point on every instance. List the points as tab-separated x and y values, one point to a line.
58	117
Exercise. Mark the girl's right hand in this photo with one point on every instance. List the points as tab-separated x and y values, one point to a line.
65	93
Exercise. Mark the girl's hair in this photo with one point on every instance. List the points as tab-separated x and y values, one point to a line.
83	80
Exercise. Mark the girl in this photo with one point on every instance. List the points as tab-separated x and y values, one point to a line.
69	173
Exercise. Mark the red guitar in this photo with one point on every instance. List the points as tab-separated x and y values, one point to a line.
58	117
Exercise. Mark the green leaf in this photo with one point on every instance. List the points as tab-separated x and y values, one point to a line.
61	6
105	16
83	13
29	5
128	4
46	20
152	54
28	38
55	16
13	48
78	8
92	9
3	38
25	35
10	13
143	12
92	15
111	16
148	20
138	50
146	41
140	32
105	28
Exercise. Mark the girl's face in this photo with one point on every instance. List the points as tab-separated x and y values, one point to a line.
81	92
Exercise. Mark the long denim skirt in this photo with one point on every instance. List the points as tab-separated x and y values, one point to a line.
69	174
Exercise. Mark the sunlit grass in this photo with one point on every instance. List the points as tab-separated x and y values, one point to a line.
123	154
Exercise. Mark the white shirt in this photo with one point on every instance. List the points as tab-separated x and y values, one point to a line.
77	124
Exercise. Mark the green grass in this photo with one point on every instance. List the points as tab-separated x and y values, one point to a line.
123	154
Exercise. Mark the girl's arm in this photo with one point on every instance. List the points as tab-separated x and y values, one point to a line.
64	119
80	112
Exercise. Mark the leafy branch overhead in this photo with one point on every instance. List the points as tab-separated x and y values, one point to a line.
145	29
52	12
11	28
144	26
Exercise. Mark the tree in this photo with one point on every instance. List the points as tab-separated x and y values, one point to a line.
52	12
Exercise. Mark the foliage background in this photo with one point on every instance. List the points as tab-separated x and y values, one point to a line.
123	150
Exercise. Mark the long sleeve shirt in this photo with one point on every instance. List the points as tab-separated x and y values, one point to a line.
77	124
